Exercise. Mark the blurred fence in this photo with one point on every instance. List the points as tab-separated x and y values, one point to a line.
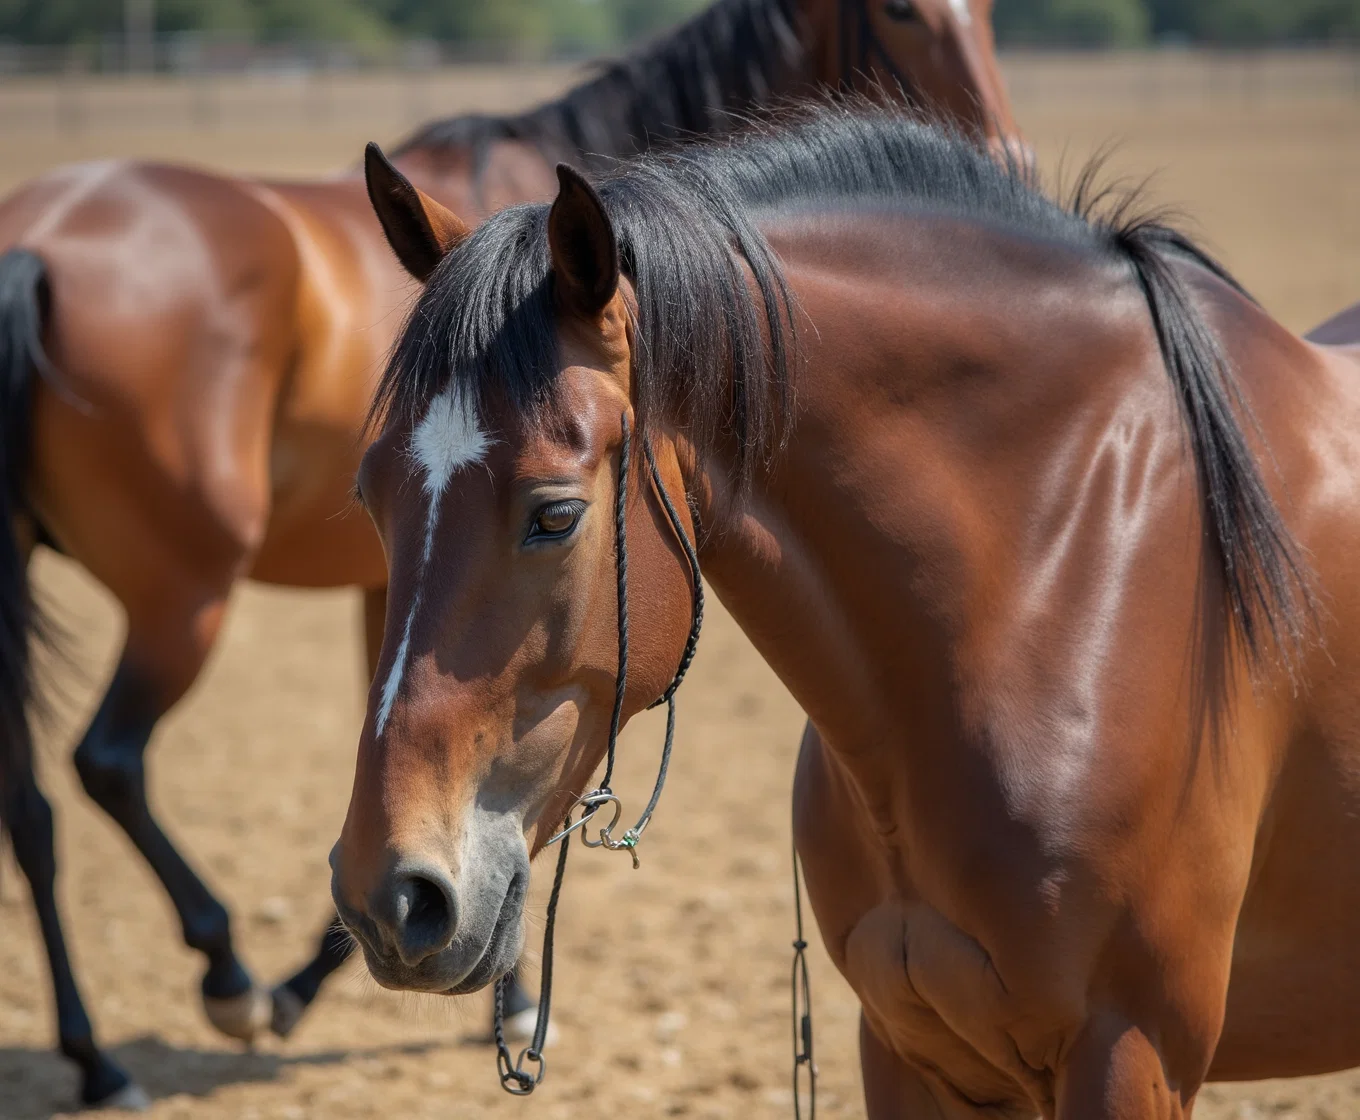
1174	76
268	101
320	89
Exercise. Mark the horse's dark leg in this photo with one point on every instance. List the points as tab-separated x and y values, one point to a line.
28	817
521	1012
111	764
295	995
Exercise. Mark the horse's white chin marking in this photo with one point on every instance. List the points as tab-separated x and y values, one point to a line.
447	439
962	11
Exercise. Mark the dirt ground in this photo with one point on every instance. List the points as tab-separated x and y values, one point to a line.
673	981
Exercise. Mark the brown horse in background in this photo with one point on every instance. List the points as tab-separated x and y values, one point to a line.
185	364
1051	530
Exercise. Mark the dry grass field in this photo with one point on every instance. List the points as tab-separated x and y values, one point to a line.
673	981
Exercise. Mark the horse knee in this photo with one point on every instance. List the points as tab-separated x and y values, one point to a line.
27	816
113	774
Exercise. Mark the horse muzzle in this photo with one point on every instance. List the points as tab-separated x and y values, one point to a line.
423	929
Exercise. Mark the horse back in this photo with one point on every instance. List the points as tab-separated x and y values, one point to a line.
168	330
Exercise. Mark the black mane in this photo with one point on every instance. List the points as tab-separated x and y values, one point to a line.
686	222
731	58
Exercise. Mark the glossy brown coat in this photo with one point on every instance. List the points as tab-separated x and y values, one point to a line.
1074	857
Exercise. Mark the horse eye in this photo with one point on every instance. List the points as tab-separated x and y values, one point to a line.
903	11
556	520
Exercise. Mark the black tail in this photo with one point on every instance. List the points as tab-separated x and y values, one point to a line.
24	302
1267	582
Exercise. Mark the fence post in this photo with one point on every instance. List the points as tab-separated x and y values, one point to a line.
70	103
204	108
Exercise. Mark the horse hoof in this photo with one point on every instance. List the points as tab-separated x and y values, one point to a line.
130	1098
520	1027
288	1009
241	1017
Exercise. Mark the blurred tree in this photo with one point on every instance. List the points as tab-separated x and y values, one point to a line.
640	19
1086	23
1254	21
59	21
1329	19
1225	21
275	19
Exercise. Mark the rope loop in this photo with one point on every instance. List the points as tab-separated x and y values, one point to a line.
804	1068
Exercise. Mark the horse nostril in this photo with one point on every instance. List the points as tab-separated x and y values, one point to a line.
425	916
429	907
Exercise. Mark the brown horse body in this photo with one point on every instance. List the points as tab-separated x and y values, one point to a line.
213	344
1081	815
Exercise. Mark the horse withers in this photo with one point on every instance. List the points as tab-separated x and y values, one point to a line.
1045	523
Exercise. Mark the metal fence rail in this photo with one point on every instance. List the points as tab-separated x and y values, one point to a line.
1178	76
328	91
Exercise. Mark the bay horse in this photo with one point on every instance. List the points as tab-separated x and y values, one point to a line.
1050	529
186	360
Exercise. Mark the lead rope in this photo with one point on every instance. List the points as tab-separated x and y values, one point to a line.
516	1079
802	1007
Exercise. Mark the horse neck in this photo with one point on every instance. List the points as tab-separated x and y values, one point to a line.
725	61
929	400
475	185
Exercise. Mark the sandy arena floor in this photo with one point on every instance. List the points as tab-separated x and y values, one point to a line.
673	981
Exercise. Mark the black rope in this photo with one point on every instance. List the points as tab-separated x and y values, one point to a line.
515	1078
802	1008
692	556
621	575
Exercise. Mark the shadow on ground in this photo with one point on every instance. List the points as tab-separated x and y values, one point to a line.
40	1084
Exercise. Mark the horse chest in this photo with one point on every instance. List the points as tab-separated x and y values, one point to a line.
881	884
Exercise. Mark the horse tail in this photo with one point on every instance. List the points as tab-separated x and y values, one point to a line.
1267	582
25	299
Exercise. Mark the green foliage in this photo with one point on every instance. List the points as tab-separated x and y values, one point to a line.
1085	23
1254	21
605	24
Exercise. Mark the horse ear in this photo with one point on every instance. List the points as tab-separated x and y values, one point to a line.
585	252
418	228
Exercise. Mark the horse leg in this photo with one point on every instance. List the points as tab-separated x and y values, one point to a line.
295	995
1114	1071
161	658
28	816
292	998
896	1090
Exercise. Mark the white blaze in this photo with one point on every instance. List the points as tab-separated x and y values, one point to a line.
962	11
447	439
